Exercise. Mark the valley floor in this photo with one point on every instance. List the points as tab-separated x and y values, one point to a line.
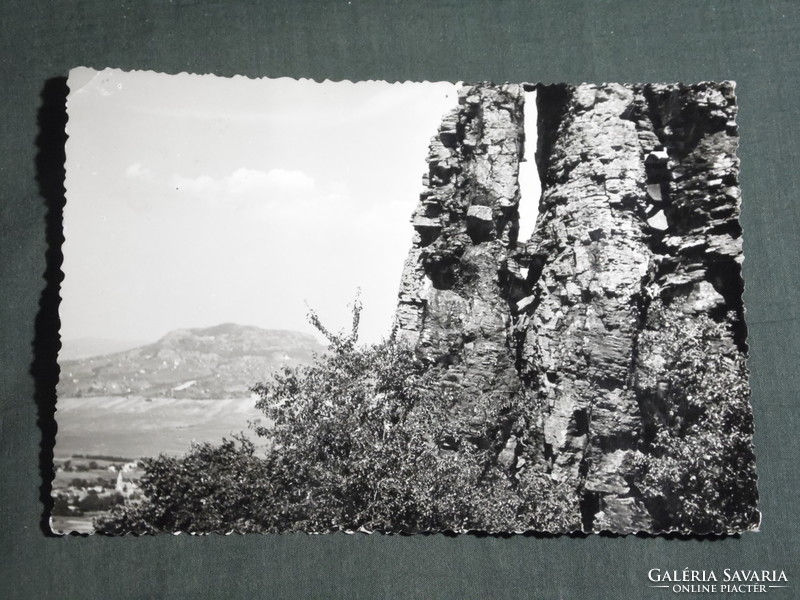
97	435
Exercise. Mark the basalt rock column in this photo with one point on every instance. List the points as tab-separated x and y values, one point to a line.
583	326
638	218
696	170
453	302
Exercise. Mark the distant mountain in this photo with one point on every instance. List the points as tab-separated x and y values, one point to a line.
73	349
214	362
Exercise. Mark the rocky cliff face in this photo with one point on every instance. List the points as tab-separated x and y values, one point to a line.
455	304
640	203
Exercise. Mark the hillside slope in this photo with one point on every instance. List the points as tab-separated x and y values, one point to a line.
214	362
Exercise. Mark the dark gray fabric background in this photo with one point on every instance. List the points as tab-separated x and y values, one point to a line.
752	42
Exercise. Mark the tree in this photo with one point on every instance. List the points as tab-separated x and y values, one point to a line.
61	506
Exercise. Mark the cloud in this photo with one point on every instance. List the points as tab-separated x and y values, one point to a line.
137	171
244	185
243	181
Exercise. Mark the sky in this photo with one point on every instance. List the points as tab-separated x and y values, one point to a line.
199	200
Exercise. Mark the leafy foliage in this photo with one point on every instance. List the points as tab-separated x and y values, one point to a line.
358	437
698	471
366	437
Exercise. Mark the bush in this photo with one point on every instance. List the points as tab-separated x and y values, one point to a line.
697	472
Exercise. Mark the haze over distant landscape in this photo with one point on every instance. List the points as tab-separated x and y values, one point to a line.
199	200
84	347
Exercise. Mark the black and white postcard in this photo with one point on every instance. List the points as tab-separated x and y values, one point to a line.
301	306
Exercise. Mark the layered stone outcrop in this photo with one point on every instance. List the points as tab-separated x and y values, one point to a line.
640	201
583	323
693	170
452	304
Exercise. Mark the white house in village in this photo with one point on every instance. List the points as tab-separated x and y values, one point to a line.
124	486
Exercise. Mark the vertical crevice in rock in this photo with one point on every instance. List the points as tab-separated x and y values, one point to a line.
529	178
